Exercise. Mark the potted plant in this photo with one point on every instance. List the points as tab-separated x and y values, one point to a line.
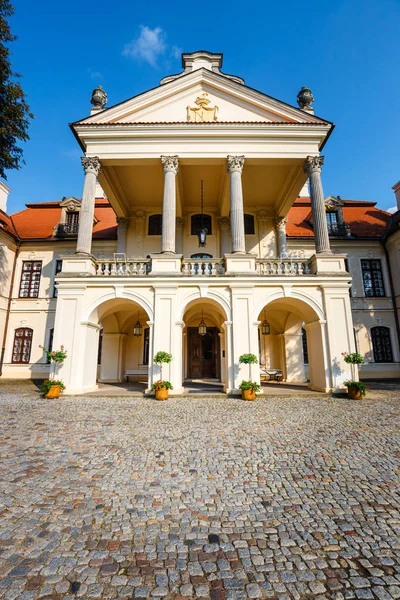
161	387
355	389
52	388
249	388
57	356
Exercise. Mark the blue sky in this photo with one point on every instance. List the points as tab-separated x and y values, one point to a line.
347	53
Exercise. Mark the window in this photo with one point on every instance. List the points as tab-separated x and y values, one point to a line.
372	278
155	224
381	344
50	344
72	222
30	279
199	222
305	347
249	225
201	255
146	346
332	221
22	345
58	270
100	347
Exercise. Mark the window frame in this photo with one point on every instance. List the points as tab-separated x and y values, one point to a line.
249	216
373	283
31	280
24	337
72	227
152	218
374	339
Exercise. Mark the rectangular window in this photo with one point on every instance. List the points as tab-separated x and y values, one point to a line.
331	219
22	345
30	279
146	344
58	270
372	278
72	222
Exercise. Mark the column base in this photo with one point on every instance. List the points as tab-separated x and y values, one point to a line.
240	264
80	264
169	265
327	263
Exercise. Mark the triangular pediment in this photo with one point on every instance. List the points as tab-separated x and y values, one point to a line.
201	97
71	203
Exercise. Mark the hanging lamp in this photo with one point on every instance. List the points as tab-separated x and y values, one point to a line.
265	327
202	329
137	328
202	233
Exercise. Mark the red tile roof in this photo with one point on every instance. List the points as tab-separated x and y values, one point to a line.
37	221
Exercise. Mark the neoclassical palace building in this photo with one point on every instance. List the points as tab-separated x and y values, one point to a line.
204	231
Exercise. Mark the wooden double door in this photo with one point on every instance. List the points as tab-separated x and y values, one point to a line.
203	354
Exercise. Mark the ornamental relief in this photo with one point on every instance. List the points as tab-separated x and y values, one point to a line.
202	113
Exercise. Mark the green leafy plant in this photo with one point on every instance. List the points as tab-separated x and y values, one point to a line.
48	383
161	385
57	356
248	359
162	357
358	385
352	358
250	385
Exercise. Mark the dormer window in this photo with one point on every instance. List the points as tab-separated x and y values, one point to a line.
332	220
72	222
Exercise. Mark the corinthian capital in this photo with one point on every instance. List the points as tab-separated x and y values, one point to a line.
280	222
224	222
170	163
313	163
91	164
235	163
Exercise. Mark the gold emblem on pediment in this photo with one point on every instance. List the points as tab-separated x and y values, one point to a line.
202	113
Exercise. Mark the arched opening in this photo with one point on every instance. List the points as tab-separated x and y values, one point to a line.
205	349
123	342
295	346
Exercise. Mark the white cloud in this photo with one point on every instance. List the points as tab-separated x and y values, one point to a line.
176	51
148	47
95	74
392	209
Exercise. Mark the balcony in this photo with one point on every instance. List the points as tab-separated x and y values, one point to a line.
339	229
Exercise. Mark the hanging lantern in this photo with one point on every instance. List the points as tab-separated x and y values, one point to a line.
202	233
265	327
137	328
202	329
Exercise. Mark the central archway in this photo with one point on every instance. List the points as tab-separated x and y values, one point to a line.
205	354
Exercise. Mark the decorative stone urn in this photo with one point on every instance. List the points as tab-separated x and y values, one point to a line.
99	97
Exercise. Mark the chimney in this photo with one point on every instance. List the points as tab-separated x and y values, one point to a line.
396	189
4	191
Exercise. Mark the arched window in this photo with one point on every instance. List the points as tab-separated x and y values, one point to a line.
305	347
381	344
201	255
249	225
197	222
22	345
155	224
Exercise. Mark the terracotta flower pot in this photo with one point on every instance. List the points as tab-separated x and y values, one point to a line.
161	394
353	393
54	392
248	395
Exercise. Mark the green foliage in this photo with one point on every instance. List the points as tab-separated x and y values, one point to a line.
353	358
248	359
48	383
160	385
14	111
358	385
250	385
162	357
55	355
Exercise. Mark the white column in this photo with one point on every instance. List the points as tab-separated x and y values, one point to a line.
91	166
224	235
313	167
170	165
235	168
229	361
280	224
121	234
150	367
294	356
180	222
177	370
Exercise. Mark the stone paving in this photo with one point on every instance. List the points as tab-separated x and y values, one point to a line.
124	498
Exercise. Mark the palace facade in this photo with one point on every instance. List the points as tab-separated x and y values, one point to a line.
202	204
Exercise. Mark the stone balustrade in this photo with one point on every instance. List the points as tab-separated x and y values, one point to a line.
112	268
203	267
277	267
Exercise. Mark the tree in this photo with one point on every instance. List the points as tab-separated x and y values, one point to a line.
14	110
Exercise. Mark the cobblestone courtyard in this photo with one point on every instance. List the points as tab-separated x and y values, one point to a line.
199	498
